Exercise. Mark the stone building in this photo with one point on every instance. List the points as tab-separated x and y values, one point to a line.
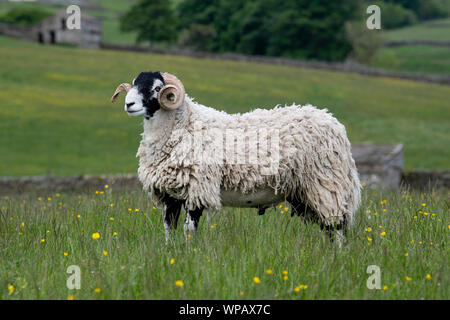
54	30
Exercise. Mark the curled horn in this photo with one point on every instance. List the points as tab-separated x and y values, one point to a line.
171	96
122	87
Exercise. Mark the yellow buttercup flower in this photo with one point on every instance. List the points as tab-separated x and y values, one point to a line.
269	271
106	186
95	235
70	298
179	283
42	240
296	289
428	276
66	254
22	224
11	289
284	272
383	233
111	219
408	278
369	229
256	280
406	254
97	290
285	278
385	288
172	261
105	253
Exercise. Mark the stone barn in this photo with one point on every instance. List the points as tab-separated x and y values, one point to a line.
53	30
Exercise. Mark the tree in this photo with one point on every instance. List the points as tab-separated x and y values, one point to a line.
153	20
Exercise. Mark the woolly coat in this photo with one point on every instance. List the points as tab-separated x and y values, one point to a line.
313	161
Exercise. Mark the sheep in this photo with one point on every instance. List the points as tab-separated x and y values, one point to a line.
298	154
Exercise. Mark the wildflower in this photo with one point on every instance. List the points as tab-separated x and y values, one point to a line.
66	254
97	192
428	276
269	271
101	192
384	210
424	204
408	278
296	289
105	253
114	233
172	261
286	209
22	224
195	249
11	289
58	195
406	254
129	209
111	205
97	290
425	213
111	219
23	287
106	186
415	217
154	208
78	216
42	240
70	298
385	288
369	229
375	214
420	242
39	198
241	293
380	226
284	272
383	233
136	210
48	231
49	198
189	236
179	283
369	239
256	280
285	278
95	235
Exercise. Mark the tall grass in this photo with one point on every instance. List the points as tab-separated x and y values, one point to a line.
403	233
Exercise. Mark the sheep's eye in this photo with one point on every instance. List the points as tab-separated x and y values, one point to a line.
158	89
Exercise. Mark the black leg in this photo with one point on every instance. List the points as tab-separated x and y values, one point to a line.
191	221
171	215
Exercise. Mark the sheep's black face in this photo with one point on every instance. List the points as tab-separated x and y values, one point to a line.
142	99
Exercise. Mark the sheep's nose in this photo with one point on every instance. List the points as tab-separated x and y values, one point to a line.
129	104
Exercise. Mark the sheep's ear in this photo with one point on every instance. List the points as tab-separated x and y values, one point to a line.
171	96
122	87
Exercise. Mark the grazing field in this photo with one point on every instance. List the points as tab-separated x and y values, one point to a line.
434	30
432	60
117	240
56	115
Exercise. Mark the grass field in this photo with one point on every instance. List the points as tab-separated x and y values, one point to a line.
417	59
405	234
56	116
434	30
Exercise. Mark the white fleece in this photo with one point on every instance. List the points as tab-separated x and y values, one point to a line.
313	161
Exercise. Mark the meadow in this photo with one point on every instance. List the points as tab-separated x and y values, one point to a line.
432	60
117	240
56	116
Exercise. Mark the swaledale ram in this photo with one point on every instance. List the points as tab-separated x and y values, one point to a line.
199	158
